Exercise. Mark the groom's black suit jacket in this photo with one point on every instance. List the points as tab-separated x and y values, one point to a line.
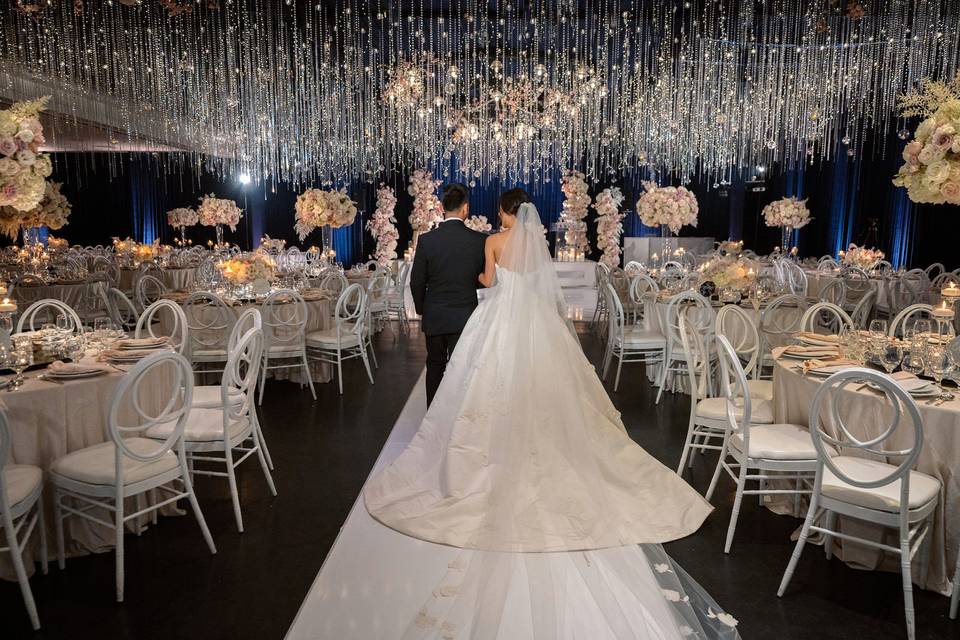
444	281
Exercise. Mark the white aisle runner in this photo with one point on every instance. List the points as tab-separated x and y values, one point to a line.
375	581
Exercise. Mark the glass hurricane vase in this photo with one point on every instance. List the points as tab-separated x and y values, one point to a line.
30	236
183	236
219	230
326	237
786	239
666	245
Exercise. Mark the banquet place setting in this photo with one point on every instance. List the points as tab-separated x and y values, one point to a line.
479	319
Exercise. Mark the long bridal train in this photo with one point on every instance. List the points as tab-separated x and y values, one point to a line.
523	462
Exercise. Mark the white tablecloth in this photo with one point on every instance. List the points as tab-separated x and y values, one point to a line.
175	279
940	457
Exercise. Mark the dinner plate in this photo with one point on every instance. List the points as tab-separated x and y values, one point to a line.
75	375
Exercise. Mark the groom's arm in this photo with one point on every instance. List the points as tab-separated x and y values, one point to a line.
418	280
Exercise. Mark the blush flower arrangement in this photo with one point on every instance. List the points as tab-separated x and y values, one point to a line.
675	207
383	226
609	225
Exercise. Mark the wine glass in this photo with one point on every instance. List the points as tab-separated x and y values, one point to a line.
20	359
922	327
878	328
64	324
939	365
913	363
891	355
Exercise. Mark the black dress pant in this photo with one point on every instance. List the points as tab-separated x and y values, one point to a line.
439	350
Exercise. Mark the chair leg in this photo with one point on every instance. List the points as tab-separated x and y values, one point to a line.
263	441
139	507
796	498
366	363
192	497
908	610
263	462
58	517
340	369
735	515
716	472
118	526
373	354
234	492
41	522
801	541
306	369
616	382
830	523
263	378
607	358
687	444
15	553
955	596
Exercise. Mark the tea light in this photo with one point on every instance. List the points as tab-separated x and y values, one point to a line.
8	306
943	312
950	293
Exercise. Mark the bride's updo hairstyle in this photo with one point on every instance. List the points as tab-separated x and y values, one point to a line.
511	200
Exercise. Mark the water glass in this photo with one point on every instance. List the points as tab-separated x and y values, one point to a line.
878	328
922	326
20	360
913	363
64	323
891	354
939	365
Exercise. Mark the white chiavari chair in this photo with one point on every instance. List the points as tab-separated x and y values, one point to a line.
104	475
122	310
599	322
825	317
227	435
779	321
209	319
178	331
347	338
643	300
675	356
397	299
757	450
863	310
935	270
49	310
333	282
147	290
284	315
21	511
736	325
626	343
907	316
869	481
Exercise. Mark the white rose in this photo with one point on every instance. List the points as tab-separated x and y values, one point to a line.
938	171
25	135
9	167
26	158
930	154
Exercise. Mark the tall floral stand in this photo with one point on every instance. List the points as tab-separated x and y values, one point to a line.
219	230
183	236
30	236
666	235
326	242
786	239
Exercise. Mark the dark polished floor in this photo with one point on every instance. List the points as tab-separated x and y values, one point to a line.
323	451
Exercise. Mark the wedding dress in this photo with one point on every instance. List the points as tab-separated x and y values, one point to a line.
522	460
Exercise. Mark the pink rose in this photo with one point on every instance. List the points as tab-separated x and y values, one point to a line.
8	146
951	191
911	153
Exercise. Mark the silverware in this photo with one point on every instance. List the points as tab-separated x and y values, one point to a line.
46	378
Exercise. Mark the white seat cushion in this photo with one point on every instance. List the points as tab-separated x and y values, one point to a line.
208	397
923	488
203	425
21	480
288	350
777	442
95	465
328	338
761	411
760	389
209	354
642	338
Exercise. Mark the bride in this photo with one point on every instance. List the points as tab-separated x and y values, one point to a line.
522	459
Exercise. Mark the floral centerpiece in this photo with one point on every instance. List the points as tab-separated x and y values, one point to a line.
23	169
182	217
931	169
427	210
861	257
730	247
609	225
383	226
248	268
575	205
789	214
478	223
52	212
326	209
217	212
729	272
670	208
272	245
55	244
131	253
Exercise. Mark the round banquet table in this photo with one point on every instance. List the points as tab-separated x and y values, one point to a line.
85	296
176	279
319	317
940	457
49	420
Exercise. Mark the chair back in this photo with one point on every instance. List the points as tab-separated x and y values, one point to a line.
828	317
905	427
834	291
633	267
5	446
128	416
148	290
48	310
899	323
616	319
943	280
249	319
736	326
700	315
122	311
780	320
240	375
697	357
350	313
733	386
209	319
643	295
935	270
284	316
334	282
177	330
864	309
107	267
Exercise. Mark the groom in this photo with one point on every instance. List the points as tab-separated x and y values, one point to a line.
444	281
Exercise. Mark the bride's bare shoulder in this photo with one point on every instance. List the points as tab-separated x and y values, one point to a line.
497	239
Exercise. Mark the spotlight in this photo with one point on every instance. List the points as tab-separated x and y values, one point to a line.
244	178
761	169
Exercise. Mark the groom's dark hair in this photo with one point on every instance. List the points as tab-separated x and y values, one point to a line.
454	197
511	200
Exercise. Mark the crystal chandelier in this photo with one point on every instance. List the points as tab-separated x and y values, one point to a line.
480	89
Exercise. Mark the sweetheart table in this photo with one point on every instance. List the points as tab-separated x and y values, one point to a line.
49	420
939	457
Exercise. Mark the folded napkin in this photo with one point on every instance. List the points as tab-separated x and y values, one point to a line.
60	368
142	343
818	338
812	351
909	382
127	354
829	366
